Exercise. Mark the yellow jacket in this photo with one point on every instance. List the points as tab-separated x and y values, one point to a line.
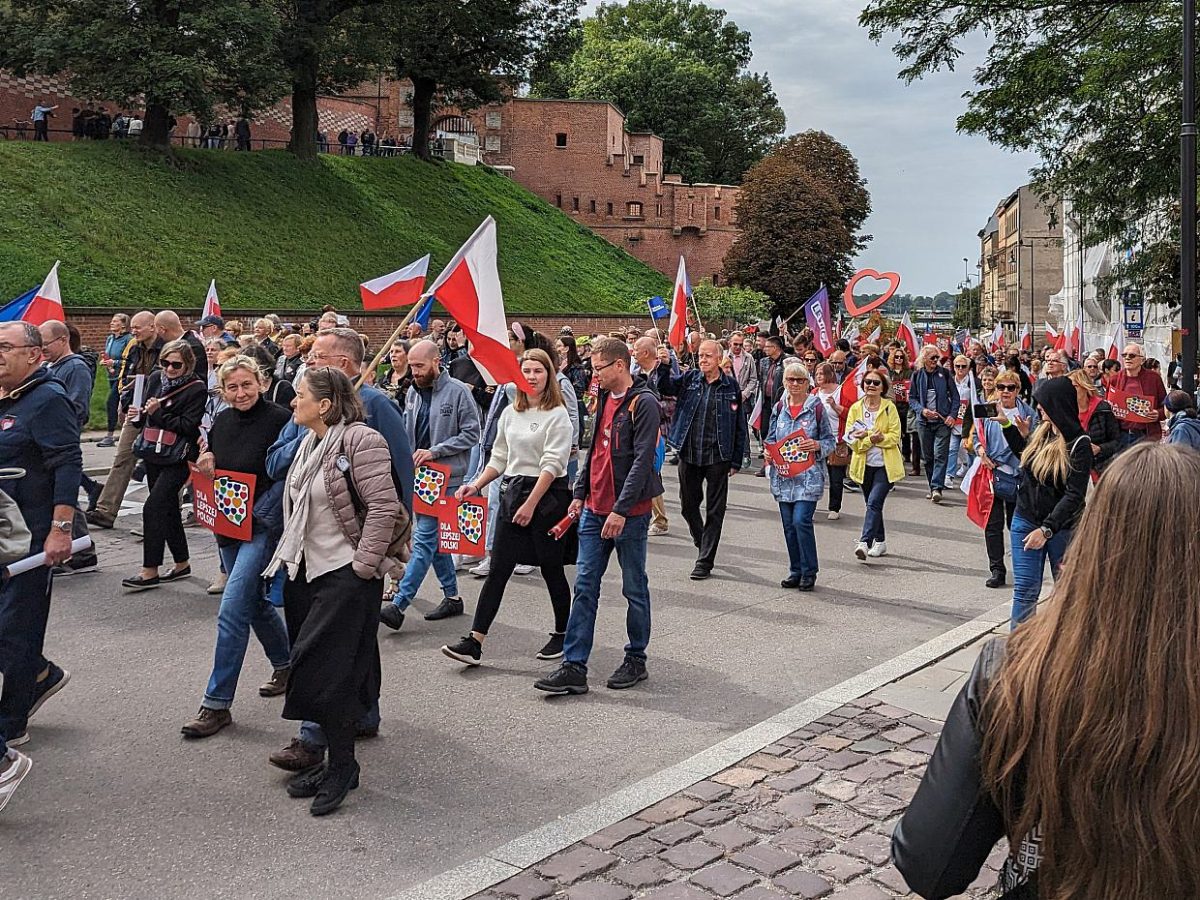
888	423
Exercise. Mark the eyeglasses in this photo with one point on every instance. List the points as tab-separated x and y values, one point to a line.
320	356
597	369
1131	356
794	380
8	348
1006	387
172	364
872	383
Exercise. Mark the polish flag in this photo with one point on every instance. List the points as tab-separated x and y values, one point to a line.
851	391
399	288
212	306
1116	342
1026	338
997	337
469	289
679	301
1075	342
756	413
47	303
905	333
873	337
1051	336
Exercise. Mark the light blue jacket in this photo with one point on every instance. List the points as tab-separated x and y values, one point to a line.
809	485
998	450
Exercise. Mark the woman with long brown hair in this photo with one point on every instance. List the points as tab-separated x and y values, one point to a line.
1078	738
1096	417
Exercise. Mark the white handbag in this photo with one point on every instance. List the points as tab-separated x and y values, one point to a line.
14	533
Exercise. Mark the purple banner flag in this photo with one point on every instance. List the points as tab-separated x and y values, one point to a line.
816	312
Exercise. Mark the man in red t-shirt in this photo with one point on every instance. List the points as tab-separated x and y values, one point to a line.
1136	379
613	496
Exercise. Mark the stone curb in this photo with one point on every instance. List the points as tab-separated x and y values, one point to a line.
510	859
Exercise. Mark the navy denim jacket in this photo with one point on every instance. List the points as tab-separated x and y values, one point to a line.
732	433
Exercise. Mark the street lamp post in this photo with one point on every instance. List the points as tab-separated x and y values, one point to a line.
1187	147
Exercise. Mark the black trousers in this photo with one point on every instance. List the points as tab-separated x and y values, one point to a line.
837	485
492	592
710	484
162	521
999	518
24	612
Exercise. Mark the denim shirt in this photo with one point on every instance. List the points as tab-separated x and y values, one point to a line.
809	485
998	450
732	430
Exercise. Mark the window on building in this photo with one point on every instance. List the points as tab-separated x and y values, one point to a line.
575	204
558	200
717	216
560	140
492	120
658	210
492	143
610	211
592	207
691	210
639	160
633	209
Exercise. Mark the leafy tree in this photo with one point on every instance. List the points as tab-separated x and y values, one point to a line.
741	304
967	310
561	35
799	212
677	68
1092	87
167	56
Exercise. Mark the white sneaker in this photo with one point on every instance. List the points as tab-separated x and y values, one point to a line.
460	561
483	569
657	530
879	548
523	570
10	779
860	549
834	515
218	584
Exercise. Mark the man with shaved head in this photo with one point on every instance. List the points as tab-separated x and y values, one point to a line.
169	328
442	420
141	359
710	431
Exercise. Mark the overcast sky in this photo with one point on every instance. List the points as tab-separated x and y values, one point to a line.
932	189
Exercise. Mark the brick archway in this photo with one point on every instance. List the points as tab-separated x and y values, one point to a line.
458	126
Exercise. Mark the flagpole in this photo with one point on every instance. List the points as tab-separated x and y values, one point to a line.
696	310
387	345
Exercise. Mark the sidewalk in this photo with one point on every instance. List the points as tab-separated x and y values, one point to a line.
809	816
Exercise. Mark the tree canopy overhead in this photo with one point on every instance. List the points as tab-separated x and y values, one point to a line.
677	68
1093	88
800	210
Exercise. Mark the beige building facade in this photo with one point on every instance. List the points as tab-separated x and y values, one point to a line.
1020	262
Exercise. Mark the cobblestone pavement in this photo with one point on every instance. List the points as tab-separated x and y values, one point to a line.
809	816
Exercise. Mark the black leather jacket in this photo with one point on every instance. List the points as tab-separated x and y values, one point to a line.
942	840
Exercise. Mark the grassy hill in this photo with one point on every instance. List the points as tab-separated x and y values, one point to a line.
134	228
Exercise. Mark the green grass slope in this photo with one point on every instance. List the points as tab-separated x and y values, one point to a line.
134	228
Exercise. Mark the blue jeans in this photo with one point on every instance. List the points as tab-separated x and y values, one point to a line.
1029	566
875	488
243	607
935	450
493	490
594	553
24	611
801	537
954	465
312	733
424	554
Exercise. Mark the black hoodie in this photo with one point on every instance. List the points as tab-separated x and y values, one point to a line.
1055	505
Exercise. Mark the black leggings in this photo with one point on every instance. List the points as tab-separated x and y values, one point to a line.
162	523
340	739
504	560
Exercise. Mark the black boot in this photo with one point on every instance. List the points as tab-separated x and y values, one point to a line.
338	782
997	579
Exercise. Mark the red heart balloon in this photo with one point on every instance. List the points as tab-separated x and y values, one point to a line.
853	308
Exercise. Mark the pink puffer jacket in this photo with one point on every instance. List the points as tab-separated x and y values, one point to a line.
371	468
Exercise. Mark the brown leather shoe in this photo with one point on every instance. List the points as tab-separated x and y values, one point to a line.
278	683
207	723
298	756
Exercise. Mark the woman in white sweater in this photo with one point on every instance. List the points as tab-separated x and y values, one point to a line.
530	455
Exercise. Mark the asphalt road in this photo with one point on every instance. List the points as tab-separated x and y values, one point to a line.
119	805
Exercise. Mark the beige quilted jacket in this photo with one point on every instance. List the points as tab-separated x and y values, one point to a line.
370	465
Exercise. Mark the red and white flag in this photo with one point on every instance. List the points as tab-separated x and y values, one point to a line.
212	305
1051	336
1075	341
399	288
756	413
851	333
469	289
1026	338
996	338
851	392
873	337
1116	342
679	304
905	333
47	303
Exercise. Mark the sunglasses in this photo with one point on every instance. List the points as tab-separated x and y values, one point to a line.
872	383
1006	387
961	366
172	364
794	380
1131	356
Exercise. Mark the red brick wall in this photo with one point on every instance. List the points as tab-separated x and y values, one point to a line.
93	324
